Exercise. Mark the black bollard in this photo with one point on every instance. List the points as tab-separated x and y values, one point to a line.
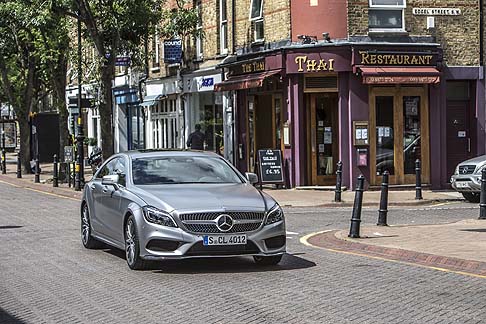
418	181
19	166
68	173
55	182
383	211
339	178
482	198
356	217
37	173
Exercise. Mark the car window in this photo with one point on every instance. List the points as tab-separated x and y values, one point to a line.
119	168
104	171
181	169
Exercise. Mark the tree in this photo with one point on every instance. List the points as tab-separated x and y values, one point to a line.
114	27
33	48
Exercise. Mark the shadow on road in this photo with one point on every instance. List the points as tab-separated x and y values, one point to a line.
220	265
6	318
10	227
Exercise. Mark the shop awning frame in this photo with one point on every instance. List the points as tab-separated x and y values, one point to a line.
400	75
151	100
245	81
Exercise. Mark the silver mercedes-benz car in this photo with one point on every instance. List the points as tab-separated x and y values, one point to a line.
467	178
160	205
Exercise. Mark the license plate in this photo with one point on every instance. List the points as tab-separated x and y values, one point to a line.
224	239
462	184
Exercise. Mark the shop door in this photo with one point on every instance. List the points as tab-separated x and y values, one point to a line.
324	138
399	134
459	135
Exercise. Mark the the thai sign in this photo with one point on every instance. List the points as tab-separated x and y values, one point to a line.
400	79
316	62
248	67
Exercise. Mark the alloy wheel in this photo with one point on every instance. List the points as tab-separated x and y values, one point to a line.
130	241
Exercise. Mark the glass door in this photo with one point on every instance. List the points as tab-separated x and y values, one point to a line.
399	124
324	138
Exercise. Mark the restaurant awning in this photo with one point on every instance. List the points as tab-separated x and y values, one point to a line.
151	100
246	81
397	75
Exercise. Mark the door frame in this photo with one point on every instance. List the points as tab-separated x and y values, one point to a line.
311	139
398	92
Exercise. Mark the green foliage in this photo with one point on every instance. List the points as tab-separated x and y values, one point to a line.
181	21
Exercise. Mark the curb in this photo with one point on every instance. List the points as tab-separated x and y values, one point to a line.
423	202
329	241
59	191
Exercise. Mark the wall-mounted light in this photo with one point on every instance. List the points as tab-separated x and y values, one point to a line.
306	39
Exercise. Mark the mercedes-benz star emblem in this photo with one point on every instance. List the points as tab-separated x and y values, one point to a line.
224	222
464	170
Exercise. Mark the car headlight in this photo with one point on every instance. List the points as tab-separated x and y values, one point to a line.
456	171
157	216
274	215
478	169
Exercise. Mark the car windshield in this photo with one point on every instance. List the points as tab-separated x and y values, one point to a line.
182	169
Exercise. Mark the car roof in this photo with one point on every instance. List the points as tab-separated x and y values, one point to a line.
135	154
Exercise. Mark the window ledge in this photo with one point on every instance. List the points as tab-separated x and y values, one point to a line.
375	32
220	56
155	69
258	42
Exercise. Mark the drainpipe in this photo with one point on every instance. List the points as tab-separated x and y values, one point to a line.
481	32
233	25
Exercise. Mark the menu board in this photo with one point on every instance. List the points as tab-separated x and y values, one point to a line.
271	170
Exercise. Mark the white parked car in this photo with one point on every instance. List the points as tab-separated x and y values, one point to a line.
467	178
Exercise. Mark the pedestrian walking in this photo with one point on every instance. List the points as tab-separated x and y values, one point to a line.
196	139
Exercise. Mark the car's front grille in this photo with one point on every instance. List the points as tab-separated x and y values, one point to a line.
205	223
466	169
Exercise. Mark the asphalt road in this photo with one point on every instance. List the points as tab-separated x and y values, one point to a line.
48	277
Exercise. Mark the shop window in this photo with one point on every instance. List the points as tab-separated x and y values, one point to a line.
256	18
386	15
199	43
223	28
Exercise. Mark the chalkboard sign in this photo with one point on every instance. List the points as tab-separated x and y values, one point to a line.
68	154
270	162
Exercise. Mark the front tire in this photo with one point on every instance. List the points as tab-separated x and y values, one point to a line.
132	247
472	197
89	241
267	260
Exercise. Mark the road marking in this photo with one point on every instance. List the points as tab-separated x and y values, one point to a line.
304	240
291	233
39	191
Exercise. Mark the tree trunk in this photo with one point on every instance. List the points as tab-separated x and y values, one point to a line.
60	104
25	142
106	108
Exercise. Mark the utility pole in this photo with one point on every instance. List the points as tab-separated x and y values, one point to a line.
79	180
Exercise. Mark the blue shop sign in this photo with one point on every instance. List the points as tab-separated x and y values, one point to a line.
123	61
172	51
206	82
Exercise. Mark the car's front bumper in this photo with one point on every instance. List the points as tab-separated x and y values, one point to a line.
466	182
181	244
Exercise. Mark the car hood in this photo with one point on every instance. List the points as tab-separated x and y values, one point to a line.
191	197
475	161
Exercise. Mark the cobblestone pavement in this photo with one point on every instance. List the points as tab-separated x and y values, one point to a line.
48	277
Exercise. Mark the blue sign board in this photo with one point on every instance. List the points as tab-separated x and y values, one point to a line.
122	61
172	51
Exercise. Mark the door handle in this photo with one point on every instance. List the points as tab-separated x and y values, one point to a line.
105	190
469	145
93	187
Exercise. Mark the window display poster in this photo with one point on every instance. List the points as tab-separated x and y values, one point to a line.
359	133
327	135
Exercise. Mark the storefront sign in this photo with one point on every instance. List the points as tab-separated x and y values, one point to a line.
377	58
172	51
271	170
122	61
248	67
400	79
436	11
316	62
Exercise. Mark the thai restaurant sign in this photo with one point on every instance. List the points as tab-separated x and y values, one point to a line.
396	58
316	62
395	79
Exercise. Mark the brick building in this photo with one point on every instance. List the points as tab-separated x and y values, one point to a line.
375	84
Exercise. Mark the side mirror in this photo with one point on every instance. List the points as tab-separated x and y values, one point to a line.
110	180
252	177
